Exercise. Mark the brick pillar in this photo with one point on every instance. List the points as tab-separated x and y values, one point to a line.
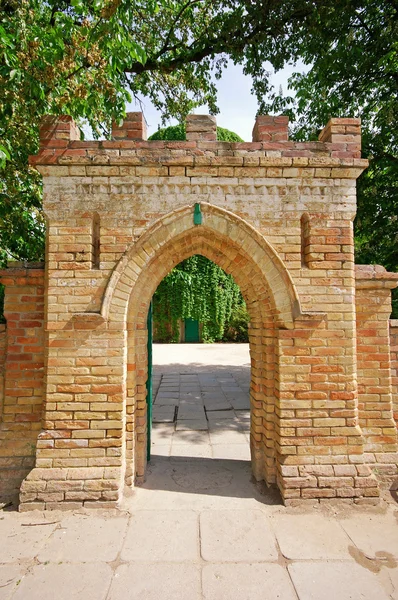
318	438
394	366
324	245
201	128
23	378
133	127
58	131
271	129
3	349
345	137
373	307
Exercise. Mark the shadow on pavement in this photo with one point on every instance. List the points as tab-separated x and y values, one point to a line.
209	477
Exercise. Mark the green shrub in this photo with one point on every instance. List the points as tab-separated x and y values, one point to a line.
237	326
177	133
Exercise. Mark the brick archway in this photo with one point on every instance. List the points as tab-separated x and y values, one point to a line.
271	299
230	230
120	216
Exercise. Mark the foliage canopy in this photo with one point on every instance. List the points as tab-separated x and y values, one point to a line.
354	72
87	58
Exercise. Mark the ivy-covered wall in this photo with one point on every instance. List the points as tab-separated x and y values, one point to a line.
198	289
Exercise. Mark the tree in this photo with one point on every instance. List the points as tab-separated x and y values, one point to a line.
86	58
354	72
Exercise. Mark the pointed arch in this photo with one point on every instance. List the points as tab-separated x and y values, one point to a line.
222	232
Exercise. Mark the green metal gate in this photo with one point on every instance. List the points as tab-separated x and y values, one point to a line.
192	331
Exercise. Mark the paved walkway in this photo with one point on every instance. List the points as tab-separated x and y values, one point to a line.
199	528
201	413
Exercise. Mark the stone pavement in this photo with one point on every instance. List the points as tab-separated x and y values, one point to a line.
199	528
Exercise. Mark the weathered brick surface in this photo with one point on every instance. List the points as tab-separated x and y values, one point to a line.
277	215
21	375
376	366
270	129
201	128
133	127
394	366
3	351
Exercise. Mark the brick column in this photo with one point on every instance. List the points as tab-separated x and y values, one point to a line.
373	306
23	373
319	439
133	127
394	366
270	129
345	137
3	350
58	131
201	128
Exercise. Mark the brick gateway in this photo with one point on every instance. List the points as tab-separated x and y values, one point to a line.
277	215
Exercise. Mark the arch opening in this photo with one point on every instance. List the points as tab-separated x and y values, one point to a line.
271	302
201	408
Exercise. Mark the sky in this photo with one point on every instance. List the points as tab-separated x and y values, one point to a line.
237	105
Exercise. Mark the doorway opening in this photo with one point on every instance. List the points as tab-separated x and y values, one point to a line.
271	301
201	392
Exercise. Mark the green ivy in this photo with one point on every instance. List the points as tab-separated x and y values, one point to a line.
196	289
178	133
236	329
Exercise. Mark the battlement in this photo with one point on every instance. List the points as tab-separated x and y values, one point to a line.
339	145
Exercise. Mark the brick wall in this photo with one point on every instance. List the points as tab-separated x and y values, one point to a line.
278	216
376	367
3	349
394	366
22	350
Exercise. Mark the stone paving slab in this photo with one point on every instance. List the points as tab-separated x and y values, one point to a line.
240	403
374	533
211	405
392	584
19	541
10	576
65	582
191	412
160	449
236	536
82	538
163	414
192	425
155	536
317	537
231	451
225	436
163	395
190	437
165	402
191	451
247	582
162	433
160	581
335	580
219	414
